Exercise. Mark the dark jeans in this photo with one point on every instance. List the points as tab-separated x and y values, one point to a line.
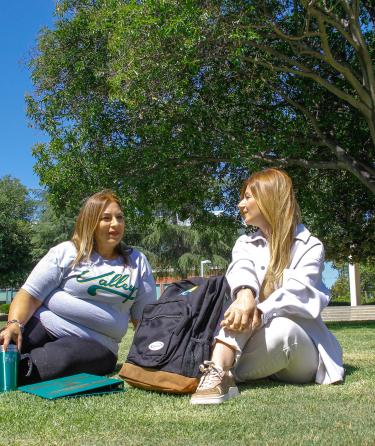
57	357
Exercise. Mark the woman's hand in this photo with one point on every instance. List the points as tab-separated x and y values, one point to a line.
21	309
242	313
12	333
257	320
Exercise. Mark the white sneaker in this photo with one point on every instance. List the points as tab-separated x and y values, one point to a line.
215	385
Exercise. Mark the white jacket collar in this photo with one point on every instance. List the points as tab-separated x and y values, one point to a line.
302	233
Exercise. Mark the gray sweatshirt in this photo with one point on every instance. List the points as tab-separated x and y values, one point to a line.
93	300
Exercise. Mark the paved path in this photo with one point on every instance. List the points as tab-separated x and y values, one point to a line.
329	314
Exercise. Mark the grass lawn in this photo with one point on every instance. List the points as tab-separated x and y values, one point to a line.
266	413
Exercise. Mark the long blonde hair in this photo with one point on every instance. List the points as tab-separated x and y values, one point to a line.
86	223
273	192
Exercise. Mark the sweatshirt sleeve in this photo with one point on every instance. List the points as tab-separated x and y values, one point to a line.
241	271
47	274
146	292
302	293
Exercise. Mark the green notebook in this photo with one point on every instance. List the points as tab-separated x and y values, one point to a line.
75	385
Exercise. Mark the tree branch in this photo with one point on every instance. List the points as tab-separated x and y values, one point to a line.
262	156
359	44
346	6
300	48
335	21
343	162
322	16
344	70
288	38
315	77
356	9
364	173
363	53
370	9
354	38
307	164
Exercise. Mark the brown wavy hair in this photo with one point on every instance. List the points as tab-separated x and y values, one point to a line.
86	223
273	192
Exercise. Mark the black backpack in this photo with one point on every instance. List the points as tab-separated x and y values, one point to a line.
175	335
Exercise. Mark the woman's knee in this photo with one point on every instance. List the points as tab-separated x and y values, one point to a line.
282	332
70	355
279	345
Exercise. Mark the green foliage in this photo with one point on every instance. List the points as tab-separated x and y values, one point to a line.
341	291
177	249
172	104
50	228
16	212
169	246
4	308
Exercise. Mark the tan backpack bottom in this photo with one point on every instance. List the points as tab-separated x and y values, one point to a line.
150	379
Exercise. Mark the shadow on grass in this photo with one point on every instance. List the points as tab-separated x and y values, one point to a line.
351	324
266	383
269	383
334	303
118	367
350	369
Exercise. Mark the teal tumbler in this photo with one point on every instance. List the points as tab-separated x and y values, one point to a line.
8	368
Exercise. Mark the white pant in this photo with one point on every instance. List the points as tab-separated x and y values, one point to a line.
280	349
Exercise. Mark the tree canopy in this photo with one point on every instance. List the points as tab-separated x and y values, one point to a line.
172	247
16	212
173	104
179	248
50	227
341	290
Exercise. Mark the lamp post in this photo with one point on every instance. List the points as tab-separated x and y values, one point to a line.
204	262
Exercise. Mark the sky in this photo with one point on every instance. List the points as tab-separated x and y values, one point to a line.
20	23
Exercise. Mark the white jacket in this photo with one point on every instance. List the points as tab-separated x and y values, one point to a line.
301	297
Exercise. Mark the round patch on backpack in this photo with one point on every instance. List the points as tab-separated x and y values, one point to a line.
158	345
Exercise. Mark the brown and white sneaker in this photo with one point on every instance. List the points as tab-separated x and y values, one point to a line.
215	386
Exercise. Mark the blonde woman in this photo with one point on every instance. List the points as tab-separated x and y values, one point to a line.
74	308
273	326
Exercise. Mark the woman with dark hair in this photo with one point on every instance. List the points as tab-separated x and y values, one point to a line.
273	327
74	307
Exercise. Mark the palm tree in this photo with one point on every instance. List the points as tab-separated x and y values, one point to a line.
180	248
